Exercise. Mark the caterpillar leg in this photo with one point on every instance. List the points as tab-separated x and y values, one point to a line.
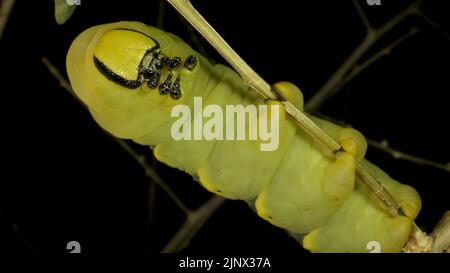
339	176
309	186
362	219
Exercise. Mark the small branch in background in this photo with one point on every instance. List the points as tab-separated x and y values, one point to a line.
5	9
358	68
384	146
363	16
434	25
151	200
193	223
372	37
17	231
161	14
150	173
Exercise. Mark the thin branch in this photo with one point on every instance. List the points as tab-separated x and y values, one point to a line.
329	88
384	146
151	197
161	14
193	223
140	159
434	25
363	16
150	172
5	10
358	68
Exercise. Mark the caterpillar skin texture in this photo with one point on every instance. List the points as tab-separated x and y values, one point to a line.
298	187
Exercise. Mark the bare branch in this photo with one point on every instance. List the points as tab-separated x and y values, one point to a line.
434	25
140	159
358	68
363	16
5	9
329	88
194	222
384	146
161	13
150	172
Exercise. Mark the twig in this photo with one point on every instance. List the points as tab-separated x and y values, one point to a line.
358	68
151	200
434	25
18	232
194	221
161	13
328	89
384	146
150	172
363	16
140	159
5	10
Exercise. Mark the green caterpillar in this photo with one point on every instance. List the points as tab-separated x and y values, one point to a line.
131	76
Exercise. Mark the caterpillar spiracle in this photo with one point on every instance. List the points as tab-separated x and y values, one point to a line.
131	75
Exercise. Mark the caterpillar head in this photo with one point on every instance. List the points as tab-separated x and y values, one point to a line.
131	58
130	75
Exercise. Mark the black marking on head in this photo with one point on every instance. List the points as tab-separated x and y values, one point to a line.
149	70
175	63
112	76
164	88
175	91
191	62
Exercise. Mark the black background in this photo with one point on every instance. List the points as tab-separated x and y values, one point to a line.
63	179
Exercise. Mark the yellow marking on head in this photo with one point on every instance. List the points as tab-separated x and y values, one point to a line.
122	50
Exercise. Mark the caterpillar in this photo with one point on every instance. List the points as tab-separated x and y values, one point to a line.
131	75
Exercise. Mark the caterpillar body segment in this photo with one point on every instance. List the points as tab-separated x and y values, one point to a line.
145	73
